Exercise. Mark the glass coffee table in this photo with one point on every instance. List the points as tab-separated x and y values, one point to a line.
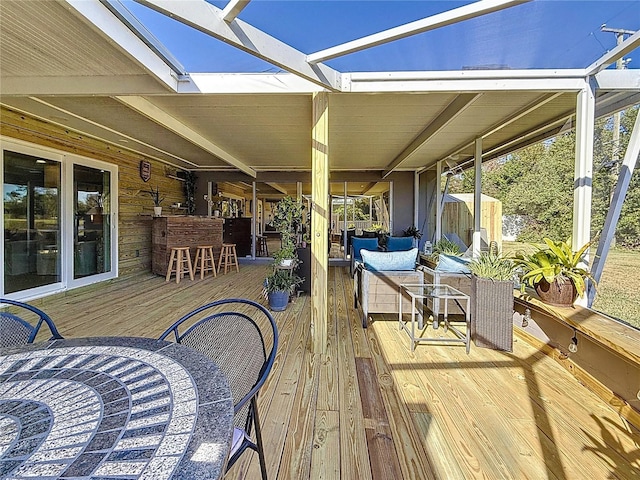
427	298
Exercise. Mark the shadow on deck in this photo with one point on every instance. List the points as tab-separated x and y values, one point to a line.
369	407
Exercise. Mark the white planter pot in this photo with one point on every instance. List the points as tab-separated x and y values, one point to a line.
157	211
287	262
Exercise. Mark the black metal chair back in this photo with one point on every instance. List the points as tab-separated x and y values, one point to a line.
242	338
21	322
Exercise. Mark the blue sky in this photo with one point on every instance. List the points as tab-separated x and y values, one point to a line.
539	34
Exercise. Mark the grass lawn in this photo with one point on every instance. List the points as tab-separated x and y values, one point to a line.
618	292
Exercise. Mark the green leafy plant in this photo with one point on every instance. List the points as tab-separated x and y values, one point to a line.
412	232
493	265
555	262
288	218
447	247
281	281
155	196
287	252
378	228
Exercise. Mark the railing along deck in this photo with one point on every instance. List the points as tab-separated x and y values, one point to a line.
369	408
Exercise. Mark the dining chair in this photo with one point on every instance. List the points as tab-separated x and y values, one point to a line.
241	337
20	329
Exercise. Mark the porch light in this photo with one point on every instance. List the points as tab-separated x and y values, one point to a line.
573	346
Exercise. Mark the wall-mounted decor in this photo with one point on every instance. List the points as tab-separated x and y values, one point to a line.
145	170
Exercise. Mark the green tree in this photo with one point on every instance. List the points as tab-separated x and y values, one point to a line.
606	168
537	184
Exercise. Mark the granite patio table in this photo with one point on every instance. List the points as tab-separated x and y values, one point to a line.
112	407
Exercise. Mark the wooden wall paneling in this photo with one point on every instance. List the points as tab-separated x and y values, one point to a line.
135	206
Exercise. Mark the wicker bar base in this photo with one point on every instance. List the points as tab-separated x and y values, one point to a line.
492	313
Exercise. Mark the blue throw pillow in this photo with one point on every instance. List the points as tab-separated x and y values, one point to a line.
399	243
363	243
452	264
390	261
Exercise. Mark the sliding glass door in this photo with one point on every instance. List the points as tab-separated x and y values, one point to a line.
32	229
59	222
92	226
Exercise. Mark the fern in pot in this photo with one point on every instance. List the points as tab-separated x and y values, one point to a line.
492	301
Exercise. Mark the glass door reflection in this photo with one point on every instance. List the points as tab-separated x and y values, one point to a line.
31	195
92	232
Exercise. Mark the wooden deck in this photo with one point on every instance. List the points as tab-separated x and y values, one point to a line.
371	409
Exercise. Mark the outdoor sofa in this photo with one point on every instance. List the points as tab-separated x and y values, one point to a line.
377	281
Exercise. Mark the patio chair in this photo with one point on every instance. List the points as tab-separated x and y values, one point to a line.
235	333
21	329
358	244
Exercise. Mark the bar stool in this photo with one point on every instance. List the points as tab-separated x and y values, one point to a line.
228	256
204	255
179	263
263	249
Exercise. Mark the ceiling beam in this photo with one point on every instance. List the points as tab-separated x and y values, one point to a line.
233	9
154	113
82	126
123	14
614	54
207	19
456	15
277	187
528	109
133	46
453	110
368	187
464	81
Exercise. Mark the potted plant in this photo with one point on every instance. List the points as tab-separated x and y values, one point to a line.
279	286
285	257
288	220
554	272
412	231
157	201
492	301
444	246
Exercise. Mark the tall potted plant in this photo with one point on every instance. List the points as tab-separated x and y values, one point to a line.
555	272
288	220
492	301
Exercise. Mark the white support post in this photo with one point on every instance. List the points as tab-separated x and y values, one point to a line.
391	212
477	198
583	177
613	214
438	231
416	198
254	216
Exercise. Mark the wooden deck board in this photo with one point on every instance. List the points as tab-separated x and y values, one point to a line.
449	415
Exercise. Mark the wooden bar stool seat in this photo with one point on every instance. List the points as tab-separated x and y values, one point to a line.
228	257
179	263
204	260
263	249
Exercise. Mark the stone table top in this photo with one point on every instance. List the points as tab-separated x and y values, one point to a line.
112	407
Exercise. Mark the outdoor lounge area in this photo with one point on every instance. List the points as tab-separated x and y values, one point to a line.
139	135
369	407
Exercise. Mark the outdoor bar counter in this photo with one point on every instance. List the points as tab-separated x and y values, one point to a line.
183	231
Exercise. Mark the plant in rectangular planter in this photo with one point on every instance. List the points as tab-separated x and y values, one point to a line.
492	301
